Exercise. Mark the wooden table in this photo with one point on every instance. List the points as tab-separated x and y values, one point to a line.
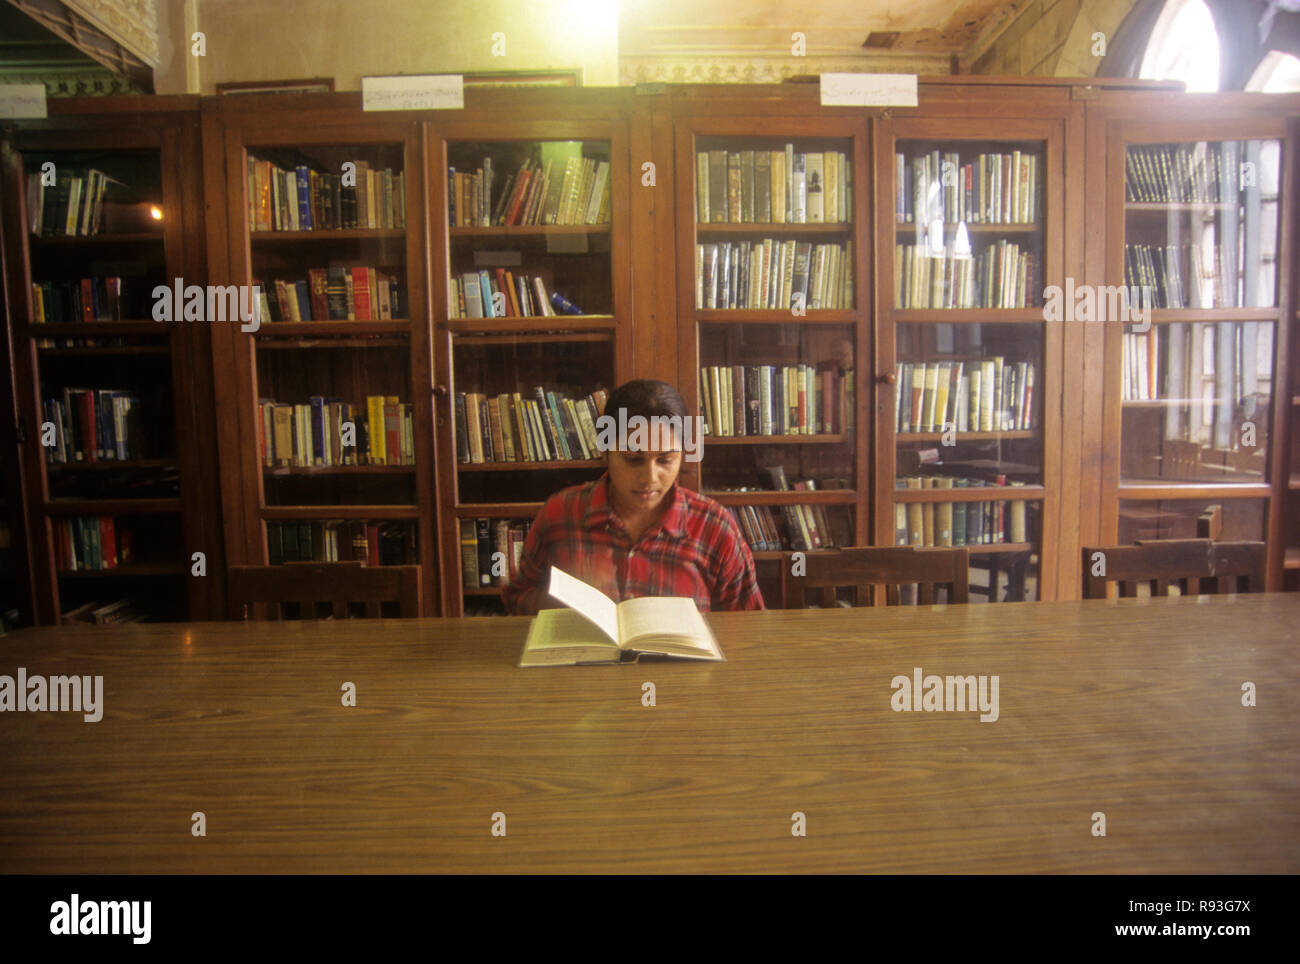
1128	708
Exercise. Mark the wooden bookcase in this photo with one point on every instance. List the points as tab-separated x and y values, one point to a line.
1211	428
972	199
307	493
582	255
159	487
772	303
1084	452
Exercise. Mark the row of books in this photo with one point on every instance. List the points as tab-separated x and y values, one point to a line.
302	198
1211	377
338	540
480	540
776	400
336	293
1003	275
975	395
769	528
330	431
990	188
772	273
550	426
930	524
90	299
72	206
1140	368
84	542
103	614
557	186
773	187
474	295
1182	275
1182	173
95	425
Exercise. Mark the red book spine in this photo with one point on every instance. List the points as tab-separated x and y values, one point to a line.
87	300
320	310
520	190
90	437
372	543
107	542
393	433
361	293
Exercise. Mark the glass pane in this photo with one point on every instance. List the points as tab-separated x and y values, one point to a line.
777	404
1243	519
327	246
966	400
969	219
1197	397
374	542
1201	223
529	229
774	223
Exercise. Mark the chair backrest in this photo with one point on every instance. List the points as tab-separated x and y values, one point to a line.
1194	566
869	569
341	586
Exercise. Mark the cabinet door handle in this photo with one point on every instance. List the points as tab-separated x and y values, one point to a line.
887	378
440	391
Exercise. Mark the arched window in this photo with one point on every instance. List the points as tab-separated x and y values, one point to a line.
1184	46
1277	73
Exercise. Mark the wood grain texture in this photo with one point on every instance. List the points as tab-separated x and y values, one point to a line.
1129	707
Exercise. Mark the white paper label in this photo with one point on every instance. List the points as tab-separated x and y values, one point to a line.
422	92
868	90
22	100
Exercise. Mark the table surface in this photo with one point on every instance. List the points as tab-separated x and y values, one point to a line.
1130	708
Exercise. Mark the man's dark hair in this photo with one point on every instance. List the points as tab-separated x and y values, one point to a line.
646	397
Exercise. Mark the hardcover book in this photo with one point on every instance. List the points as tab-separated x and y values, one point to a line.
595	629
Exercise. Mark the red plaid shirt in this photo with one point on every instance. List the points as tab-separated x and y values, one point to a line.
694	550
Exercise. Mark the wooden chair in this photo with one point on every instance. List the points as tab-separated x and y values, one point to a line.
1193	566
342	586
868	570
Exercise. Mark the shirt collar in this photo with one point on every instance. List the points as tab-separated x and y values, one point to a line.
600	512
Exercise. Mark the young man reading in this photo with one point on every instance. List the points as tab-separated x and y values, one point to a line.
635	531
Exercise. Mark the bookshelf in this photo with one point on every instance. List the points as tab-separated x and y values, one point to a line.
1102	455
117	477
532	314
967	448
1197	405
772	320
329	397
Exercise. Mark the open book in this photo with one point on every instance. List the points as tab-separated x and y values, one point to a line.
598	630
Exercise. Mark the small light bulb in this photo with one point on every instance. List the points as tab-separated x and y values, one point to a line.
155	212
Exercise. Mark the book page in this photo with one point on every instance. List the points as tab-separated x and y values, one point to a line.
664	623
588	600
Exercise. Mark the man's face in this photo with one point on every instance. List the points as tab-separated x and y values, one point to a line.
638	481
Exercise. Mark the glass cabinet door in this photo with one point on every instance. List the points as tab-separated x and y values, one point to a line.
1196	364
969	349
